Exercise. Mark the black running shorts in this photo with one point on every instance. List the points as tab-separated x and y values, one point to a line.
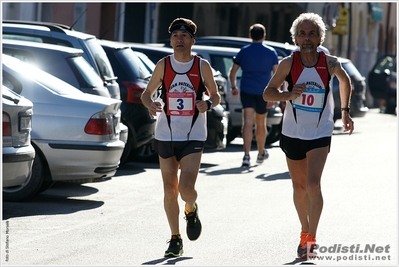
296	149
179	149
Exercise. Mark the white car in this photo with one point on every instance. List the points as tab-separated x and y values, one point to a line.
18	152
75	135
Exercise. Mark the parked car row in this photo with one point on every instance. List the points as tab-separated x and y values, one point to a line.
57	37
86	120
85	116
75	135
140	130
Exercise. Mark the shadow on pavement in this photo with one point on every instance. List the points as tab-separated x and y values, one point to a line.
55	200
276	176
166	261
133	167
299	261
238	170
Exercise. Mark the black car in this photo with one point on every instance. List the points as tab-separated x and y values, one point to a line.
133	78
358	92
382	81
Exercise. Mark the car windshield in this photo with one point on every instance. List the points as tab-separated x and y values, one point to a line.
101	59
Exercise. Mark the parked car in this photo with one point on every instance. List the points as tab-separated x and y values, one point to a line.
18	152
75	135
217	117
133	78
358	93
382	81
59	34
63	62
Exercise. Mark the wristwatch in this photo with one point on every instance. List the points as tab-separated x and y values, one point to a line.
209	103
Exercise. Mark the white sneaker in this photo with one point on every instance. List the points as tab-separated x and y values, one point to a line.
261	158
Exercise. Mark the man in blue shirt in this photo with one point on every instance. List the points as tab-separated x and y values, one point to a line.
258	62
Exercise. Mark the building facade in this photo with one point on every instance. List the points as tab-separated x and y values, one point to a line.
359	31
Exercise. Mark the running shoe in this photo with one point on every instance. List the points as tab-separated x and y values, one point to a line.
306	245
175	248
245	161
262	157
194	226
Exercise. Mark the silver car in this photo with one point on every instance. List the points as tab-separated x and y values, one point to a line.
54	33
66	63
75	135
18	152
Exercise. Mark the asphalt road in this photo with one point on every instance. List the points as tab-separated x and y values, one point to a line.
248	216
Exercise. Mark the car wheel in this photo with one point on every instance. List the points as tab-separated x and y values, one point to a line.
31	187
45	185
146	153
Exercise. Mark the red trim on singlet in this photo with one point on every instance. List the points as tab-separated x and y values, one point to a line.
194	74
321	68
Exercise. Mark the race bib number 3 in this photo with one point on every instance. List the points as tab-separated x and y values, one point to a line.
180	104
311	100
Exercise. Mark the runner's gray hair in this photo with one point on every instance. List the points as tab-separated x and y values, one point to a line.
313	17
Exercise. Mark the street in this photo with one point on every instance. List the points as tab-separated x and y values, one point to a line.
248	216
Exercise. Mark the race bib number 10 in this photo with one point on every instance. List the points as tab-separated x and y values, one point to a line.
311	100
180	104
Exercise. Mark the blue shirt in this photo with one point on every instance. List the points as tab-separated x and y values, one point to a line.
256	61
